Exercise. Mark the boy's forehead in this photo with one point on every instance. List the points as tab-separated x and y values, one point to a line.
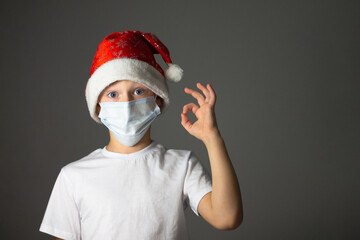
124	83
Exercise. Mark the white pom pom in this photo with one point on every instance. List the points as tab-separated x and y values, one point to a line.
174	73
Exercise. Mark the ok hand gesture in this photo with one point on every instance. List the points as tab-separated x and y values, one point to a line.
205	126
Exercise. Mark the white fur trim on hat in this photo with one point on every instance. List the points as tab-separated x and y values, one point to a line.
125	69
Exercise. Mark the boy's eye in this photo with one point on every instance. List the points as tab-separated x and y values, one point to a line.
138	91
112	94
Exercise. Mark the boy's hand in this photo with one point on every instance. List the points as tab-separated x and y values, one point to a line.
205	126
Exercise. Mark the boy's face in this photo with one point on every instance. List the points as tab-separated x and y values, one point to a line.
125	91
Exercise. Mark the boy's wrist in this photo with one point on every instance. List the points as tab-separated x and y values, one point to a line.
212	137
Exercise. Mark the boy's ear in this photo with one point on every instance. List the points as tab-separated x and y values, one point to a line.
159	101
97	110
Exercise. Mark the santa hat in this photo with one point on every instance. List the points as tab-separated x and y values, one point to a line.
129	55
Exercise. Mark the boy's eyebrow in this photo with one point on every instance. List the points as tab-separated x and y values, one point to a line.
138	84
109	87
135	85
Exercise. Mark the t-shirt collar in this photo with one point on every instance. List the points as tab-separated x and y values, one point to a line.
137	154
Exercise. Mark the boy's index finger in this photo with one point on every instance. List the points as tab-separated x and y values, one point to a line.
205	91
212	93
196	95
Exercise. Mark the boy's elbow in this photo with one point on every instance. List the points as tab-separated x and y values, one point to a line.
231	223
235	223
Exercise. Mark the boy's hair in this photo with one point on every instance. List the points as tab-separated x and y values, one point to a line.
129	55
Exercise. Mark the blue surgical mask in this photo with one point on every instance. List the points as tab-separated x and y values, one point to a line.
129	121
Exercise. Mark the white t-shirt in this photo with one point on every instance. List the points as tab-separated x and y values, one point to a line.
142	195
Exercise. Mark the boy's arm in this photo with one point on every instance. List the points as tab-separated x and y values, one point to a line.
222	207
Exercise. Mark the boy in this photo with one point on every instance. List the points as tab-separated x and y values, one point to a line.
135	188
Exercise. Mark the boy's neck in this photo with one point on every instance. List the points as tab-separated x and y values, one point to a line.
115	146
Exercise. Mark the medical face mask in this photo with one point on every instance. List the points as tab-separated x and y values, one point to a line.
129	121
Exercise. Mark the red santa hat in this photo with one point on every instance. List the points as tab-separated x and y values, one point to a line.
129	55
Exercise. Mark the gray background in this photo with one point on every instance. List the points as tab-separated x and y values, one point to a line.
287	78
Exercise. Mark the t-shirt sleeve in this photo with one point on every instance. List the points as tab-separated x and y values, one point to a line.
197	183
62	217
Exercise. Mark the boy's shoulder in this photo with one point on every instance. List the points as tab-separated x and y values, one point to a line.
83	161
178	153
183	155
